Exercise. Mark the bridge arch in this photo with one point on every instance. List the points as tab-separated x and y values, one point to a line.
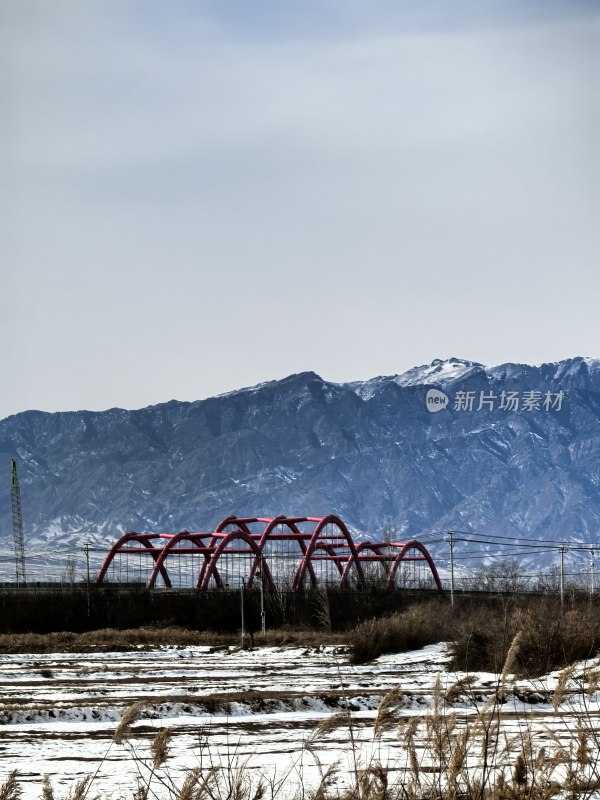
146	541
223	549
413	544
170	548
379	557
317	536
317	549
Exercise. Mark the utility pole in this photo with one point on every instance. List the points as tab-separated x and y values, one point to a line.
592	572
87	561
562	575
263	626
450	540
15	499
242	598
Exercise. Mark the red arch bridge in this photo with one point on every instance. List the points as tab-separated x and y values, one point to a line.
297	552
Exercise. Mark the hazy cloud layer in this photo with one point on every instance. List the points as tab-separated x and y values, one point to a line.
199	196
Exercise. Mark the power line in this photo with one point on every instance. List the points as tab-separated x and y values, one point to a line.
477	535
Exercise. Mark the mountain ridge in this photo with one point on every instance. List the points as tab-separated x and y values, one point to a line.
370	451
437	361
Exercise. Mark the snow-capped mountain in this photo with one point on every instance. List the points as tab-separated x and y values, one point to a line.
511	450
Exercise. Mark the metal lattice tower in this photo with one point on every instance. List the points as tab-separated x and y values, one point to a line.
15	498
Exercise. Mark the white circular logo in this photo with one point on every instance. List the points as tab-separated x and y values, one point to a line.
435	400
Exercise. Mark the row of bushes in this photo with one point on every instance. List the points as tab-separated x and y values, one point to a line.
482	632
111	639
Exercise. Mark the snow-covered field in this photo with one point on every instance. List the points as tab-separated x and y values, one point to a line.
58	712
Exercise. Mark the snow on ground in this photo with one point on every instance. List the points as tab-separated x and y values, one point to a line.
58	712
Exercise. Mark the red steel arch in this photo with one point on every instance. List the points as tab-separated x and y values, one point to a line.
314	539
376	548
295	534
241	524
120	546
425	555
199	546
223	547
322	523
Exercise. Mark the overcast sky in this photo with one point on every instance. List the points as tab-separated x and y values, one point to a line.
198	196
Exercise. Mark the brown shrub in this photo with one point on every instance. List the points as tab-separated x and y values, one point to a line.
173	636
419	625
549	637
482	632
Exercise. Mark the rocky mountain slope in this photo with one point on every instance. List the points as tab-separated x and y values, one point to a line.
513	450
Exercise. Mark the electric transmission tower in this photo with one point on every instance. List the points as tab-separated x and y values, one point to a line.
15	498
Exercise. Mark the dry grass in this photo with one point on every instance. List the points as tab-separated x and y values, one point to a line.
447	756
444	756
146	638
528	636
416	627
159	748
131	715
481	632
549	638
11	788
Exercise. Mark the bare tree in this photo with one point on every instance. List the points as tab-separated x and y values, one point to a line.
503	576
70	572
